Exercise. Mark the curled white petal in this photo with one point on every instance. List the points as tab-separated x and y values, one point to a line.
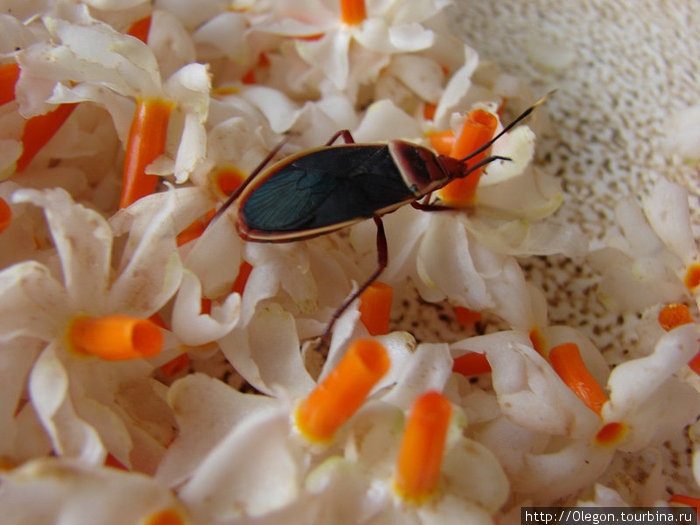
632	382
83	240
194	328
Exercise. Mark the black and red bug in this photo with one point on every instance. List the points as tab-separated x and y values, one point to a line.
325	189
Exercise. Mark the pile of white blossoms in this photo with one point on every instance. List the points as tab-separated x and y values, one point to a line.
157	369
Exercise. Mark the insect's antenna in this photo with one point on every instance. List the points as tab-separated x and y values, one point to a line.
247	181
484	162
510	126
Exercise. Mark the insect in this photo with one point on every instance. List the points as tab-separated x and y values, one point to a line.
324	189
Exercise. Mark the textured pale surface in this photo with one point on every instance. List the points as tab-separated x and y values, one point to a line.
627	66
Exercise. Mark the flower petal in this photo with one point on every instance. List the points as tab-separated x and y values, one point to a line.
83	240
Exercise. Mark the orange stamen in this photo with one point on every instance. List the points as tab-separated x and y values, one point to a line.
165	517
352	11
140	29
567	363
611	433
9	74
5	215
146	142
422	447
442	141
476	131
467	317
692	276
471	364
375	308
342	392
228	179
39	130
175	366
115	337
674	315
242	278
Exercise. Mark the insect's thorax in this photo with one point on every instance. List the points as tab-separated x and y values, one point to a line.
421	169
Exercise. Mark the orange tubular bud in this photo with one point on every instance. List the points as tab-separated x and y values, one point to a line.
115	337
567	363
471	364
422	447
146	142
352	12
9	74
342	392
5	215
375	308
477	130
39	130
140	29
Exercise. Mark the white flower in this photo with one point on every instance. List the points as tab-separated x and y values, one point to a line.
354	51
88	406
66	491
109	68
648	263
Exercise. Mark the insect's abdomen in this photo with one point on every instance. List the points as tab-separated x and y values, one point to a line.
324	189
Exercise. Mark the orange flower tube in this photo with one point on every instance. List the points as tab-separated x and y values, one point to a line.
375	308
342	392
422	447
115	337
39	130
9	74
477	130
146	142
352	12
567	363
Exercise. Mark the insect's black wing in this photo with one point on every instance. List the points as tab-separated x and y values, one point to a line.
326	187
284	201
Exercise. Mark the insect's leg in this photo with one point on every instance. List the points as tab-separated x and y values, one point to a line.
382	260
247	181
347	137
